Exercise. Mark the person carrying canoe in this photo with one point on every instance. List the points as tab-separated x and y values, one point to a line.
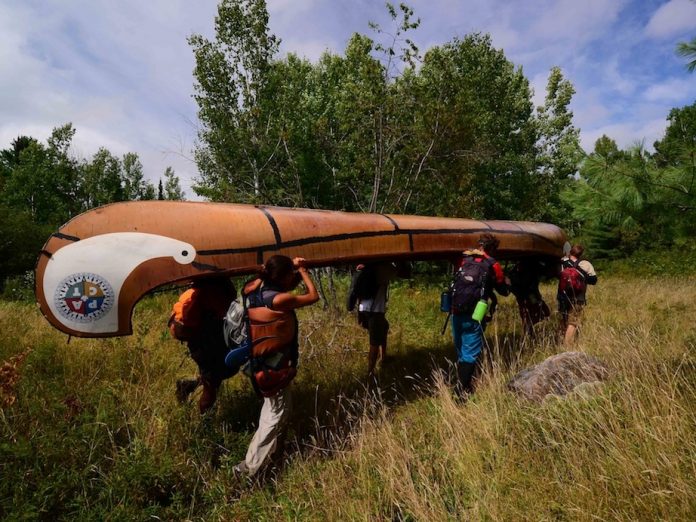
273	333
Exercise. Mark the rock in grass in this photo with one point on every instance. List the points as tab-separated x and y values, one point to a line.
558	375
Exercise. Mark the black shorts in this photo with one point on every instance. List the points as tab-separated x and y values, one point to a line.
377	325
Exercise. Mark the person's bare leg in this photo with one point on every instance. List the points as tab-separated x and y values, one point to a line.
562	329
570	335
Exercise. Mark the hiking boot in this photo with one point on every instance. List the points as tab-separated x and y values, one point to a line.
208	396
184	388
465	372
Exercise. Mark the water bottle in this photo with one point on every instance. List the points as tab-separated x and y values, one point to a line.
446	301
480	310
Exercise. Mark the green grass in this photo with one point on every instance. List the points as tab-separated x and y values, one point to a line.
94	432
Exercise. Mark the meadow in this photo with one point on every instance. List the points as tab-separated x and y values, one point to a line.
91	430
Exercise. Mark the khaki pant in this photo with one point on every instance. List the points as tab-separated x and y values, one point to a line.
269	436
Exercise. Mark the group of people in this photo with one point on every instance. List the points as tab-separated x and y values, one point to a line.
270	302
523	282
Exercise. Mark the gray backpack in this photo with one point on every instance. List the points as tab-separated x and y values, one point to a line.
235	324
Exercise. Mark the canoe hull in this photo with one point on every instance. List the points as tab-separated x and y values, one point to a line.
91	273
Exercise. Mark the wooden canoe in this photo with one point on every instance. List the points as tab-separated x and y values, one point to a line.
92	272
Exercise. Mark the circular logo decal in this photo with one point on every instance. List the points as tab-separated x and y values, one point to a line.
84	298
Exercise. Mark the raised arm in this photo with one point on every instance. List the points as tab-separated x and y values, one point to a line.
287	301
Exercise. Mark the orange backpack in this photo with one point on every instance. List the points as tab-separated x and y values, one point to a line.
186	319
272	333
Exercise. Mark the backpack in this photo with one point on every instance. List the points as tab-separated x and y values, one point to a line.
470	284
363	285
234	324
572	282
272	334
186	319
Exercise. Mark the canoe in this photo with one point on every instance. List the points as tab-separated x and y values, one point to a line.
92	272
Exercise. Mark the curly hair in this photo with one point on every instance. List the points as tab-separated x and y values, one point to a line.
489	242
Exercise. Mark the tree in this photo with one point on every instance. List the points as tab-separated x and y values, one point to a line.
475	108
688	50
367	130
43	180
172	189
232	79
135	187
625	200
559	143
101	180
679	141
20	241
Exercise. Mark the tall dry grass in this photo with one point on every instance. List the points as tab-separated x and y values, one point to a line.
95	432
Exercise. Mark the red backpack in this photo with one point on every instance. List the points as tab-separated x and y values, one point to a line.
572	281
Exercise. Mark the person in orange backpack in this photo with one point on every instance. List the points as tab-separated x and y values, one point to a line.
197	319
273	333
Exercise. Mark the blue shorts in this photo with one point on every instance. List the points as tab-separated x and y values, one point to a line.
468	338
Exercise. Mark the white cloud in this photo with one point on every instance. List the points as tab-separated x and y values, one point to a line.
121	73
626	134
573	21
671	19
671	90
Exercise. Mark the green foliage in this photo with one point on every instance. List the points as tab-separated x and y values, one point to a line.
43	179
630	200
20	241
172	189
42	186
370	131
559	146
677	262
688	50
679	141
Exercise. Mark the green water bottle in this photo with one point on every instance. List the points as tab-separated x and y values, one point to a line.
480	310
482	305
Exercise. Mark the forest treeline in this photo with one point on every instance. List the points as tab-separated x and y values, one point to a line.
380	127
44	185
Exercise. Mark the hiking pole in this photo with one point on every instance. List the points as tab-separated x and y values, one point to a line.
444	326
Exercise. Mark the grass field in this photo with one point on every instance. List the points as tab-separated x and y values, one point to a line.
90	430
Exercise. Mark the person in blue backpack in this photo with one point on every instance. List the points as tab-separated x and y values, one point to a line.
477	276
576	274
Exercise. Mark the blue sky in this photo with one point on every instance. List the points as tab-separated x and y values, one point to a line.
122	71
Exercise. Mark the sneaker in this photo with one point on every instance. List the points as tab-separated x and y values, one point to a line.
240	470
184	388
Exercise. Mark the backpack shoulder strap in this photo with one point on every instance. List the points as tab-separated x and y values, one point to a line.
267	296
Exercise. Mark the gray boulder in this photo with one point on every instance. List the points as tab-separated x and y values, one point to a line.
559	375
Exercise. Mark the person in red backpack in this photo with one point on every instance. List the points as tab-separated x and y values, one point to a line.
576	274
274	338
467	331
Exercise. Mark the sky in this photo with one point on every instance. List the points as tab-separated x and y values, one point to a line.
121	72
